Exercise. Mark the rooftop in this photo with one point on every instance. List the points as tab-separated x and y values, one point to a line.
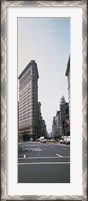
32	62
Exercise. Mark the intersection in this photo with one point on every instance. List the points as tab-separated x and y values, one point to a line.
43	162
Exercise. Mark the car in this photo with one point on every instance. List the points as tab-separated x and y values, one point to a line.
61	141
43	140
38	140
67	140
31	139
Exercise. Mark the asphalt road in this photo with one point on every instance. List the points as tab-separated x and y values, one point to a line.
43	163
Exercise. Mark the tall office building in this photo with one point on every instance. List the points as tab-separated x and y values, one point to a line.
28	102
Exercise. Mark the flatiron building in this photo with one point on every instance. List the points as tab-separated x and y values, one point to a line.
28	102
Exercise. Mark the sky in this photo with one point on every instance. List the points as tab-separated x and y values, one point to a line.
47	41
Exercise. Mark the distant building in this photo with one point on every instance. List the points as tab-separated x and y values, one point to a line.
64	116
56	125
41	123
67	120
68	79
29	112
60	124
43	128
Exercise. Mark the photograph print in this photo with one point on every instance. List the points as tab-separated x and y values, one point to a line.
43	99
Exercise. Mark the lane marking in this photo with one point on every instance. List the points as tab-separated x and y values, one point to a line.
44	163
43	157
59	155
64	149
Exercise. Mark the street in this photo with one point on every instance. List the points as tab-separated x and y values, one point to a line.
43	162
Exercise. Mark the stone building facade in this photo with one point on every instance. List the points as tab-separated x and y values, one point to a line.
28	102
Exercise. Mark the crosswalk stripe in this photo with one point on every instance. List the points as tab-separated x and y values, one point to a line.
35	149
